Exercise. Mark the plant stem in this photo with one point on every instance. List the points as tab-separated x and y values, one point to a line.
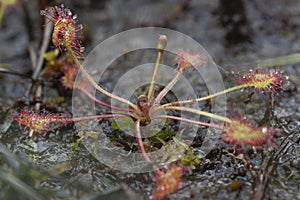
162	42
140	142
206	97
99	88
199	112
187	120
163	93
77	119
102	103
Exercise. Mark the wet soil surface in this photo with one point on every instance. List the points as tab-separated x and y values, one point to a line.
236	34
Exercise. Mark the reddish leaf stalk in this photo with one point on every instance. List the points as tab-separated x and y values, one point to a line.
167	88
140	141
103	103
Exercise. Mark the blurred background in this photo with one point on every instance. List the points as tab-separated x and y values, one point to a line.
234	33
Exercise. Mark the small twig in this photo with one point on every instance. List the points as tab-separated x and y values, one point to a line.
5	68
33	56
267	169
43	49
38	95
37	66
263	177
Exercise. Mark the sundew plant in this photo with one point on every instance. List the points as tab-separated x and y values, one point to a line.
67	35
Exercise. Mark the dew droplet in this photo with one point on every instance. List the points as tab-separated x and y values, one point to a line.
80	27
69	12
264	129
43	12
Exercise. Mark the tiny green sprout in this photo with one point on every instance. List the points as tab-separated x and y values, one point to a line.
192	157
75	145
51	56
55	100
163	135
173	151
